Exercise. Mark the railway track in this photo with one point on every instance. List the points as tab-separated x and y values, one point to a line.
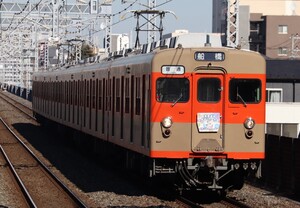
193	202
229	202
26	177
187	202
32	176
184	202
25	109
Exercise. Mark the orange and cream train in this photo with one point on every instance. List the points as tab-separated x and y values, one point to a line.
194	113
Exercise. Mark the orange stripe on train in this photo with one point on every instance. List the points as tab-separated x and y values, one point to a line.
187	154
232	113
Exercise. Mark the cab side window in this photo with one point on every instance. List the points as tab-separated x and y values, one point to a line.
172	90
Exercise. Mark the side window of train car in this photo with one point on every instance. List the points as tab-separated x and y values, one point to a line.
245	91
172	90
209	90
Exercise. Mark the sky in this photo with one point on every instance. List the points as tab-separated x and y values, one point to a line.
192	15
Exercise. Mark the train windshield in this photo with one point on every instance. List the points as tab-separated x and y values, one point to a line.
245	91
172	90
209	90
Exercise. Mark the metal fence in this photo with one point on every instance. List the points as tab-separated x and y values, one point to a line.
281	167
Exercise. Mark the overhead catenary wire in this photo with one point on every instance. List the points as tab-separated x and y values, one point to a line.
68	32
19	13
125	18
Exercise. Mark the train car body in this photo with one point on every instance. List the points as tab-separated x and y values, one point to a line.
197	113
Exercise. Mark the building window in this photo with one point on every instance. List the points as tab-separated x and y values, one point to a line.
282	129
274	95
274	129
282	51
282	29
290	130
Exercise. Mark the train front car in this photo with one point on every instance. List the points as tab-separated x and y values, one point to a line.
207	116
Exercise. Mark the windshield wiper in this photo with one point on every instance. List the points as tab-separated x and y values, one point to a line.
176	101
241	99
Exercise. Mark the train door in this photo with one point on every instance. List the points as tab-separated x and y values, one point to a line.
207	113
107	116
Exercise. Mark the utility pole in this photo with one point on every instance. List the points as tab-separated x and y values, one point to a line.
149	24
108	33
152	22
55	14
232	32
29	29
295	47
139	27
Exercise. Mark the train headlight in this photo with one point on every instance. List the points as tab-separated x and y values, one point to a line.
249	123
167	122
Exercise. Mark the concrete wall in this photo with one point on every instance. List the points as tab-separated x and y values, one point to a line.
285	116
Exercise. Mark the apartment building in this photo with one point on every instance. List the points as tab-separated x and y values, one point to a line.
272	28
278	37
269	7
273	32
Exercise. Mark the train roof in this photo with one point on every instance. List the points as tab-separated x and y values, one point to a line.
147	58
103	64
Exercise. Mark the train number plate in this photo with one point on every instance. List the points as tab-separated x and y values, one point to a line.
208	122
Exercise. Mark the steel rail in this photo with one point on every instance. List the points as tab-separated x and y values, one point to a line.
25	192
76	199
20	109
